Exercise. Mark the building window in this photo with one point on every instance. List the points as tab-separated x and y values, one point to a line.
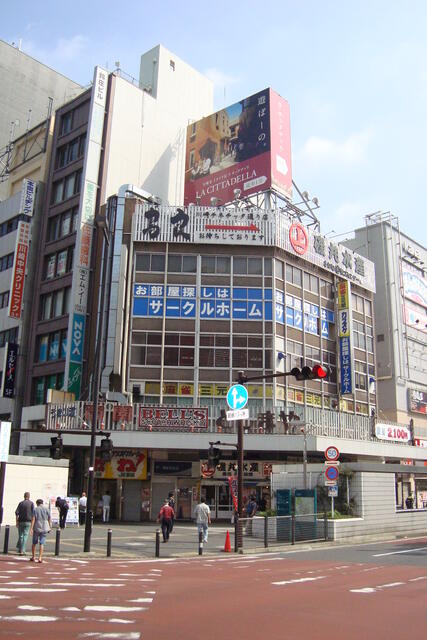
55	304
43	383
4	299
70	152
52	346
6	262
58	264
10	335
311	283
360	375
66	123
66	187
62	225
293	275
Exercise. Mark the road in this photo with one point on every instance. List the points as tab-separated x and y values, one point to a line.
376	590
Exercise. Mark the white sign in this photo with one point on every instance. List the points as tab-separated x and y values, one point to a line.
333	491
238	414
392	432
27	197
330	483
4	441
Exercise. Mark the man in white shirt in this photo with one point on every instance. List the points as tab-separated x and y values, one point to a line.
106	501
82	508
203	518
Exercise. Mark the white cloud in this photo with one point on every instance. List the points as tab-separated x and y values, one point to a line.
63	49
318	152
344	217
219	78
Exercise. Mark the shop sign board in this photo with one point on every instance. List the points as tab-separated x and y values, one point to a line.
173	418
126	465
392	432
19	268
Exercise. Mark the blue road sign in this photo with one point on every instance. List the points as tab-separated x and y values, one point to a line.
237	396
332	473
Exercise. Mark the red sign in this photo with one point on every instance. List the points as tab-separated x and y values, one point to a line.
332	453
19	266
122	413
89	411
232	482
332	473
238	151
206	471
298	237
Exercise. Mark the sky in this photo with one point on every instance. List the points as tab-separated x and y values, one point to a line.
354	74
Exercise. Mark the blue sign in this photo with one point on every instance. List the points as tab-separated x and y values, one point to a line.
77	338
332	473
345	365
237	396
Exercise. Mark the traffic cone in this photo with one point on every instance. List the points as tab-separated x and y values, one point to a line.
227	546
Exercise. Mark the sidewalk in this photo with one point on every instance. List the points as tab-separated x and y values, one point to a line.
129	540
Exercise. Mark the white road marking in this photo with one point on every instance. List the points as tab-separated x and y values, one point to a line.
146	580
120	621
299	580
377	588
29	618
21	583
70	609
5	597
363	590
30	607
134	635
395	553
79	584
129	574
112	608
391	584
141	600
419	578
31	590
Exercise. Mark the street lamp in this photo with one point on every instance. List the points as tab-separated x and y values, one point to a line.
101	222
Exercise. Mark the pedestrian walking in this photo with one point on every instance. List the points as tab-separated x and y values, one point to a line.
165	517
203	518
62	505
106	502
24	514
171	502
40	526
82	508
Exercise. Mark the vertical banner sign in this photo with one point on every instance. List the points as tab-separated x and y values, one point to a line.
9	370
232	482
27	197
345	336
83	248
19	266
4	440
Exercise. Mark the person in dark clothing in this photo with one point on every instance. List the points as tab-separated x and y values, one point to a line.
62	505
166	516
171	502
24	514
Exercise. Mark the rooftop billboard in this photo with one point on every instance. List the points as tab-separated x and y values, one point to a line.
244	147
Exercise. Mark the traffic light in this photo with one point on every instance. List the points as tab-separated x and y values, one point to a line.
56	448
106	449
214	455
317	372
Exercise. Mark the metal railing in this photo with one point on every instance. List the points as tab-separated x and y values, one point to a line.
265	531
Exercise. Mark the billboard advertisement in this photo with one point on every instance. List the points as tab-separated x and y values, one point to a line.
240	150
345	337
19	267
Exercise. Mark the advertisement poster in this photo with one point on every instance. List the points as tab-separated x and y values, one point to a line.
73	511
229	153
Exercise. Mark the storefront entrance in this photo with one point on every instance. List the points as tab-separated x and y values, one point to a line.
217	496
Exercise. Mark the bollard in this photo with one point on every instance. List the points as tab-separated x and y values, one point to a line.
157	543
57	541
293	529
200	543
265	531
325	521
109	538
6	539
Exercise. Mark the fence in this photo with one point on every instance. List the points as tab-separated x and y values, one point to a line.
263	531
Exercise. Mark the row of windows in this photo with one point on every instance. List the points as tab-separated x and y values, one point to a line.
214	351
10	335
362	305
59	263
297	356
6	262
363	372
52	346
62	225
55	304
4	299
70	151
209	264
360	340
66	187
11	225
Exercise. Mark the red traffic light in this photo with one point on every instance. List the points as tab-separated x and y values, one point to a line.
319	372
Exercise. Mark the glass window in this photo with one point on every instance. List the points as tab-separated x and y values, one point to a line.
69	186
46	306
255	266
297	276
58	192
65	223
54	346
50	266
222	358
206	340
43	344
208	264
267	266
174	264
186	357
240	265
142	262
280	269
206	357
153	356
66	122
189	264
223	264
66	302
58	298
368	308
62	263
158	263
171	357
63	344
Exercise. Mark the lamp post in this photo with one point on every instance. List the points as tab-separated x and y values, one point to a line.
101	223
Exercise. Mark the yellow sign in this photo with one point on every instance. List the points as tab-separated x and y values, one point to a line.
126	465
186	389
206	389
343	294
